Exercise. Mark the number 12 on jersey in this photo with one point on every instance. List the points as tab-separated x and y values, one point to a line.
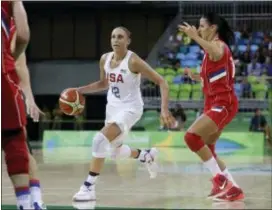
115	91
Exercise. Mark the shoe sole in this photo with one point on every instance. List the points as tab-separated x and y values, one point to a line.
240	197
77	200
84	205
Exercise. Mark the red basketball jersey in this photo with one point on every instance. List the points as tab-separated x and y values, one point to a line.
218	76
8	30
13	114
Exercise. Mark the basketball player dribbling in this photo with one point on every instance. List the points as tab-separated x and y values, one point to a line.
20	164
221	105
120	73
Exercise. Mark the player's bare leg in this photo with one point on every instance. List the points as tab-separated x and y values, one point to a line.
34	182
101	143
16	157
201	129
236	191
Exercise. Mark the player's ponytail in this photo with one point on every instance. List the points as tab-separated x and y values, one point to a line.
225	32
223	28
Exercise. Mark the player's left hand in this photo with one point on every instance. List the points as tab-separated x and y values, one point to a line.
189	30
33	110
167	119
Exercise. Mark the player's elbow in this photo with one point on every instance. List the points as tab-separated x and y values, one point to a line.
23	36
23	39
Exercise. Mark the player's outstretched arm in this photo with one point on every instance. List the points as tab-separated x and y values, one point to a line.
137	65
22	28
215	49
100	85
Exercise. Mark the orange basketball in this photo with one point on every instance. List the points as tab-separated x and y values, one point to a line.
71	102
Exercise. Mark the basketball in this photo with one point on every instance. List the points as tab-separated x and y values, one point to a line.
71	102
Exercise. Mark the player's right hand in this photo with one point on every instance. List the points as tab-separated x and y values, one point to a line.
189	30
167	119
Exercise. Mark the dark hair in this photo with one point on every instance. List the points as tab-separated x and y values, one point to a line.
223	28
125	30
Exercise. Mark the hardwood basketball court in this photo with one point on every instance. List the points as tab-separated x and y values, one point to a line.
126	184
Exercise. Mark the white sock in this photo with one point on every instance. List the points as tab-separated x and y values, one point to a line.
36	194
91	179
35	191
212	166
229	176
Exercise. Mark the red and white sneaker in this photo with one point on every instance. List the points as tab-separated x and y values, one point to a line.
220	185
233	194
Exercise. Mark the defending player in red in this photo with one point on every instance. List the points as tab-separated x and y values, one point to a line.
34	112
221	105
17	156
13	115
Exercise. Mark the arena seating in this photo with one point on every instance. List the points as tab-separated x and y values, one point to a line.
186	54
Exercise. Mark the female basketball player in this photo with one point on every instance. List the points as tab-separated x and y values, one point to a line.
120	73
221	105
33	110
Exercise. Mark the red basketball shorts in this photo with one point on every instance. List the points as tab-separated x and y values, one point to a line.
221	112
13	114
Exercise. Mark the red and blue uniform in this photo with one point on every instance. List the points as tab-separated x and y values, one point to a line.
13	107
217	77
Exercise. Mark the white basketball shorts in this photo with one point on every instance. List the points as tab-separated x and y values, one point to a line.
125	118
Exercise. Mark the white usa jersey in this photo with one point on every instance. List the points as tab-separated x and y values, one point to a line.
124	85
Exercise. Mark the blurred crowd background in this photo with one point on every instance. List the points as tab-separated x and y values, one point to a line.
68	38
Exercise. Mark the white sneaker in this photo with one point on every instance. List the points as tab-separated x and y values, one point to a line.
85	194
150	158
20	207
24	203
25	208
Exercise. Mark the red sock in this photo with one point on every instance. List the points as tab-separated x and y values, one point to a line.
19	191
34	183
